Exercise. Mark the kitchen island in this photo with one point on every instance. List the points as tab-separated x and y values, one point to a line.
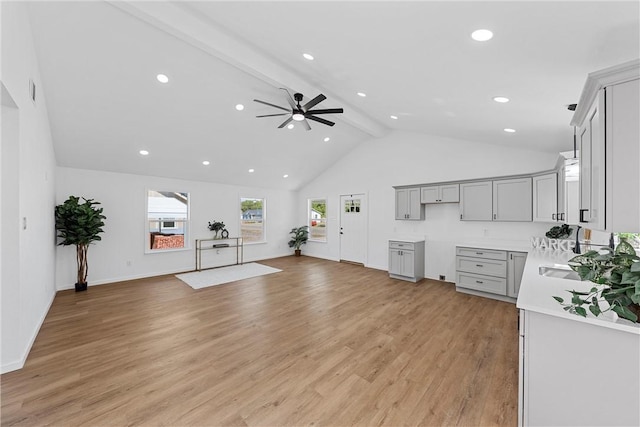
573	370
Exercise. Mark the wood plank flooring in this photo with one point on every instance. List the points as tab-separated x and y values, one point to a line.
319	344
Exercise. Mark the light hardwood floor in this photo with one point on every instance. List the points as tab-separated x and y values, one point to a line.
319	344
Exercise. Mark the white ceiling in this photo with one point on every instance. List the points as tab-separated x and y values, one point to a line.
414	60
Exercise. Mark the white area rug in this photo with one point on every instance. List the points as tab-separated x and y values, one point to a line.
218	276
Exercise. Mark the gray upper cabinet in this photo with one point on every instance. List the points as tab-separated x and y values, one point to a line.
545	198
408	204
512	200
476	201
607	119
449	193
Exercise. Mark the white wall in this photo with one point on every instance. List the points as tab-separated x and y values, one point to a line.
120	255
28	168
403	158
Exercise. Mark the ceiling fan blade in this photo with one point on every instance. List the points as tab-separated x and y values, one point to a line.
290	100
315	101
286	122
273	115
306	125
272	105
319	120
326	111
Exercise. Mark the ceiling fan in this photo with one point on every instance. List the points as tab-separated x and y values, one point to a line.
300	113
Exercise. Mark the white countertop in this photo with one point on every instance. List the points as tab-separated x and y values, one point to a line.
537	292
408	239
500	245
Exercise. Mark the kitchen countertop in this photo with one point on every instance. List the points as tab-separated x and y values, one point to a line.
500	245
537	292
407	239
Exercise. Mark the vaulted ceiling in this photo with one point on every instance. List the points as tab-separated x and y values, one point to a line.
414	60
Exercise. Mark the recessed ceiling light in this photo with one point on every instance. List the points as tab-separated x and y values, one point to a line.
509	130
144	152
501	99
327	139
239	107
308	56
394	117
482	35
162	78
362	94
252	170
285	176
206	162
290	126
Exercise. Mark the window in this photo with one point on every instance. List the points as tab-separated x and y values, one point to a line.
252	216
168	219
318	220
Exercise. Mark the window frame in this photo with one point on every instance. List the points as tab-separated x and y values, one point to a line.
264	221
310	202
147	221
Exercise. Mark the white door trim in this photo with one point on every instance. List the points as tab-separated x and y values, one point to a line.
365	218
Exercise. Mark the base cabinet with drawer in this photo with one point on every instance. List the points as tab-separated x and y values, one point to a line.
489	272
406	260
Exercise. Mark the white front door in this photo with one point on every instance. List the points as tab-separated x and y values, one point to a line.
353	228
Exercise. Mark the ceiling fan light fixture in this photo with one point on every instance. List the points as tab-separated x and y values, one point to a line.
298	117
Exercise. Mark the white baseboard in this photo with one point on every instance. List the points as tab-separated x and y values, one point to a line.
19	364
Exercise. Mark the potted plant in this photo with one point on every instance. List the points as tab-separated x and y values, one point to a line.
300	235
616	275
216	226
79	224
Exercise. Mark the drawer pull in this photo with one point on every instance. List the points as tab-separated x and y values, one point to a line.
479	281
479	253
479	265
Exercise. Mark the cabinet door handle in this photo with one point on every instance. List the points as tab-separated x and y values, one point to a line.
460	216
479	265
479	282
494	216
582	211
479	253
553	217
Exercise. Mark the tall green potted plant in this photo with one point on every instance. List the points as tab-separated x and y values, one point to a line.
79	224
300	235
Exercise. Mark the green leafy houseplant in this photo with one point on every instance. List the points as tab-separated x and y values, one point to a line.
300	235
616	275
559	232
79	224
216	226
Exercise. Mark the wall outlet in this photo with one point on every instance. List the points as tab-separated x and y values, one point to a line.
442	277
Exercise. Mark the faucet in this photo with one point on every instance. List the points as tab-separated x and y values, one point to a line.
576	249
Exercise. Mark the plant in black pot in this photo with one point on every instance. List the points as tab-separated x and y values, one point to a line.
300	235
79	224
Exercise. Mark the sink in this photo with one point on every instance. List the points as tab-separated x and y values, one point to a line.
559	271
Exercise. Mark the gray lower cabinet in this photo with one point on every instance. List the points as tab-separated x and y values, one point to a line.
489	272
406	260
